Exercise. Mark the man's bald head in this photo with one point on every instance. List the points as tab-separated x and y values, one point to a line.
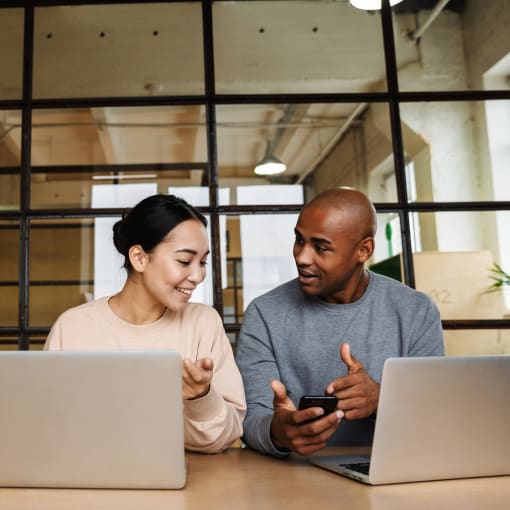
353	207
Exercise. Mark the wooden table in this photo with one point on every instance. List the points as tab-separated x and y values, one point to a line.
242	479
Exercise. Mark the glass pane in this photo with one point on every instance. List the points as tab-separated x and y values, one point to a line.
463	342
8	343
9	256
92	136
322	145
11	53
455	253
9	191
386	259
167	142
297	47
118	50
465	47
457	151
37	342
233	339
69	190
259	258
233	308
61	267
10	154
10	136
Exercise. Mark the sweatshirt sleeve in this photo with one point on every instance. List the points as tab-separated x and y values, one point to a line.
214	421
54	339
256	360
427	335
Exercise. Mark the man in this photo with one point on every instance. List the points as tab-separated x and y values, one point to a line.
328	332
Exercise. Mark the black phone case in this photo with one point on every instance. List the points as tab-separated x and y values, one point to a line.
328	403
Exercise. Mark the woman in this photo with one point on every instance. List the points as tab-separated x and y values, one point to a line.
165	247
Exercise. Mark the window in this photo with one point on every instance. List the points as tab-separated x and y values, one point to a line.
408	104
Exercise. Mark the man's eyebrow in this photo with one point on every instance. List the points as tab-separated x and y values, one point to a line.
319	240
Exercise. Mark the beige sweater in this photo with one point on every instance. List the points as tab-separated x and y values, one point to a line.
211	422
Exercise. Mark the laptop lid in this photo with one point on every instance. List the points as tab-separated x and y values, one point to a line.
91	419
439	418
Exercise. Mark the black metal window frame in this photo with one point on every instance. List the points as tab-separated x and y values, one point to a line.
210	100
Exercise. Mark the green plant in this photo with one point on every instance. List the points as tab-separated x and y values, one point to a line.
501	279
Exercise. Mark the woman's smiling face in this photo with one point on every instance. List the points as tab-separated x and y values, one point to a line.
177	265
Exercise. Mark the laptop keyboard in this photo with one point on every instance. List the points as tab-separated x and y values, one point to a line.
360	467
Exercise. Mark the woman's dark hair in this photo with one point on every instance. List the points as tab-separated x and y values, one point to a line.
148	223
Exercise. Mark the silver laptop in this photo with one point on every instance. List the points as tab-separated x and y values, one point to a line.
438	418
91	420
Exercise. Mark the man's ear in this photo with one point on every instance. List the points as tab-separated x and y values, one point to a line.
138	258
366	249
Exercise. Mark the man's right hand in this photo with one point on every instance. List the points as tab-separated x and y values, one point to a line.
292	429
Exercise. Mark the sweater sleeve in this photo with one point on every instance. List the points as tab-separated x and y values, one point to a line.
427	335
214	421
54	339
256	360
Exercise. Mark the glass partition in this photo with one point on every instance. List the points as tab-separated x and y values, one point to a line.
119	135
11	53
9	191
454	257
325	116
88	189
297	47
257	259
10	137
87	148
139	48
36	342
8	343
457	151
386	259
9	270
475	342
458	46
61	267
322	145
10	155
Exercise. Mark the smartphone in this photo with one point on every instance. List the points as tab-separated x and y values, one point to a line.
328	403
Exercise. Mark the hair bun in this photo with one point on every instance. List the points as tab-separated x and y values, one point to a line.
119	237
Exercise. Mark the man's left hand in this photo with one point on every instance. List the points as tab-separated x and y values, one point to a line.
357	392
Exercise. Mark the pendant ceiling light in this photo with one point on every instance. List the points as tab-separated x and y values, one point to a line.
270	165
371	5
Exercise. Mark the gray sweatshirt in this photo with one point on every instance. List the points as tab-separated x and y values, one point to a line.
295	338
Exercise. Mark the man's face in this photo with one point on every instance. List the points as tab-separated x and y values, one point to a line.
327	254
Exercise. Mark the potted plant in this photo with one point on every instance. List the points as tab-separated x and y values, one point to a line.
501	279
